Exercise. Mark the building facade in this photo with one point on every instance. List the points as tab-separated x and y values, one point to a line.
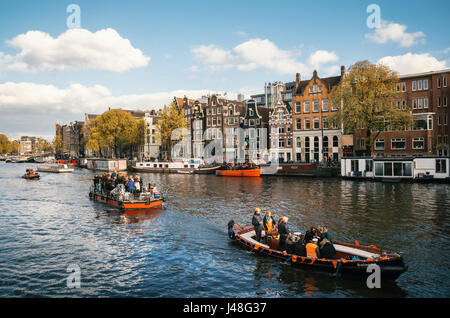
280	125
314	140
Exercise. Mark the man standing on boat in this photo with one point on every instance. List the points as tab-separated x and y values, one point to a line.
284	232
257	222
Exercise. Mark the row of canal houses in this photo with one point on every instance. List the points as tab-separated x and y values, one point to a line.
290	131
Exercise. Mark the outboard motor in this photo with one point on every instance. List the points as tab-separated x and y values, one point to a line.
230	230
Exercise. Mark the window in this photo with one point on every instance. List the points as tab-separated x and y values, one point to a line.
425	84
251	122
403	86
335	141
441	166
425	102
213	111
214	121
439	120
398	87
299	142
444	81
281	143
403	104
250	112
280	115
355	165
307	123
208	121
208	111
219	110
445	119
325	122
298	123
439	82
298	107
388	168
316	123
398	143
439	101
407	171
445	101
414	103
369	165
316	106
414	85
420	103
418	143
419	85
325	105
334	107
281	130
306	107
219	121
378	169
379	144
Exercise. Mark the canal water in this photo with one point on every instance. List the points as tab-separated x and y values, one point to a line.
183	250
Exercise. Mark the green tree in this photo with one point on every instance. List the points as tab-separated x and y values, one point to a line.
170	119
115	129
366	99
5	144
43	146
57	145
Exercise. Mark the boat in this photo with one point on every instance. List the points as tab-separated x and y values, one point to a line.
8	160
239	173
185	171
206	170
33	176
69	162
352	259
127	201
167	166
57	168
396	169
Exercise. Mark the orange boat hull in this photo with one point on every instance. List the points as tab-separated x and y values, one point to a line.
239	173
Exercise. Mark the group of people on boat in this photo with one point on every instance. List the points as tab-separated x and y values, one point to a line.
238	166
30	174
106	183
315	243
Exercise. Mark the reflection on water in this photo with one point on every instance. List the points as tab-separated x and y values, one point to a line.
51	223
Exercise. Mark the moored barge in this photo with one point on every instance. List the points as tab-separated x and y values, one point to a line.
239	173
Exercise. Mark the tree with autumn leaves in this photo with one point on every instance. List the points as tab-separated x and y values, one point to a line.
116	130
170	119
366	97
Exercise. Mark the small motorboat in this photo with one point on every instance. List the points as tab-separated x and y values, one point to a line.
31	175
239	173
352	259
34	176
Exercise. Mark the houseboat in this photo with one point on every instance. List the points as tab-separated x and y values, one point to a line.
396	169
56	168
182	166
69	162
106	164
352	259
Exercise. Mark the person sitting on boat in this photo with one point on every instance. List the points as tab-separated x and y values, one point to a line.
284	232
312	250
290	244
300	246
257	223
323	231
326	249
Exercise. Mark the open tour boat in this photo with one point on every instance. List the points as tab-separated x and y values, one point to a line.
126	201
57	168
352	259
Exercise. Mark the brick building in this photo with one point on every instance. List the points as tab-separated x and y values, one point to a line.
280	125
425	95
313	139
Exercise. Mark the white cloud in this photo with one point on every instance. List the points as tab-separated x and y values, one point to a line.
412	63
75	49
394	32
258	53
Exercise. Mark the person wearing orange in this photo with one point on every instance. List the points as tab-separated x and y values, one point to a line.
268	222
312	250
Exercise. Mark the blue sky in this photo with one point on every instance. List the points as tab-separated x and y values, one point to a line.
228	46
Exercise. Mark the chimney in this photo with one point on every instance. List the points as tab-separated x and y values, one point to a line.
315	73
342	70
297	79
